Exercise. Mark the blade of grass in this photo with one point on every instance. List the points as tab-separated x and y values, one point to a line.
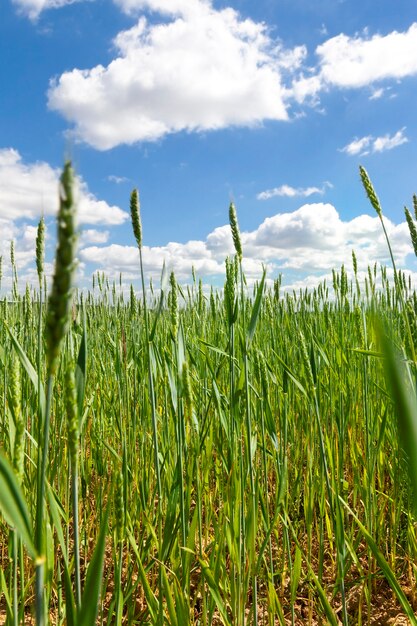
13	505
92	589
386	569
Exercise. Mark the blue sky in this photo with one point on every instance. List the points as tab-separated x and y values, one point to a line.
271	104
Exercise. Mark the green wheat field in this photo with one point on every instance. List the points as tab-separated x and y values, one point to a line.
243	456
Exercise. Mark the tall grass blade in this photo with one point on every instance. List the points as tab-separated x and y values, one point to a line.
405	403
151	599
81	368
256	309
215	590
92	589
386	569
29	369
13	505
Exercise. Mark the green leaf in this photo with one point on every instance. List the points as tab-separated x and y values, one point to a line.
183	613
164	284
149	594
30	370
168	597
327	608
256	309
70	618
405	405
4	588
289	373
215	349
81	368
374	353
13	505
92	589
296	574
386	570
181	348
215	590
57	512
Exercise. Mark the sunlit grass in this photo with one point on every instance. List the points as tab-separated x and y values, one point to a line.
230	459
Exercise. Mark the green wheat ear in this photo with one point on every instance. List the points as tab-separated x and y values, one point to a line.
135	215
40	248
235	230
119	508
15	398
412	228
60	300
187	393
370	191
355	263
72	416
173	304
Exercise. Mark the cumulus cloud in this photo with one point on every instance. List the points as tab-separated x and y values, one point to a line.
192	71
313	238
292	192
93	236
29	189
370	144
181	257
361	60
357	61
203	69
358	146
386	142
33	8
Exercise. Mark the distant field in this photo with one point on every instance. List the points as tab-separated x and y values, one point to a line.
232	458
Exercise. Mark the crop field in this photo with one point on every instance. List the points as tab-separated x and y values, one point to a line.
240	456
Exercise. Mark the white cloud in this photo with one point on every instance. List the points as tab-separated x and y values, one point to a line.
181	257
29	189
306	88
91	235
357	146
167	7
33	8
292	192
194	69
204	69
358	61
388	143
117	179
368	144
312	227
377	93
313	238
